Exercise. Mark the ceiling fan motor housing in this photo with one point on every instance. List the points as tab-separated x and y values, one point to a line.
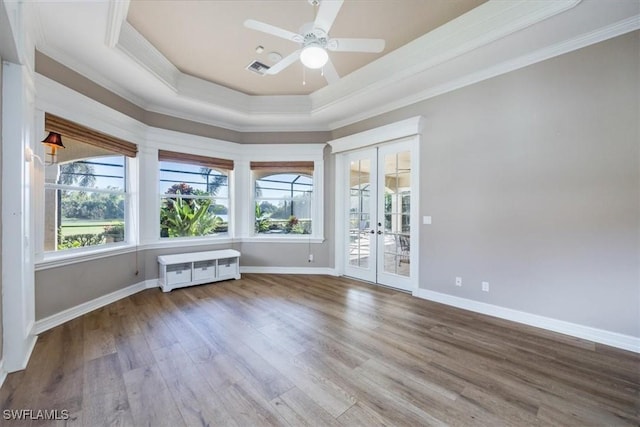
315	37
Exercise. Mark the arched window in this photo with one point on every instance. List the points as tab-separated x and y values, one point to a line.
283	197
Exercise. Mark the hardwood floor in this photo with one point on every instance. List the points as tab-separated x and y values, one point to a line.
318	351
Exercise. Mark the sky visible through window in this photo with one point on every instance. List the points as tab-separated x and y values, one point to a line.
107	170
109	173
280	185
172	173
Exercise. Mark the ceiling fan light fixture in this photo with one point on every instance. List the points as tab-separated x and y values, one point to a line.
314	56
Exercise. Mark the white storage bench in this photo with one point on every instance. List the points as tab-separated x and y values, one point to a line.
196	268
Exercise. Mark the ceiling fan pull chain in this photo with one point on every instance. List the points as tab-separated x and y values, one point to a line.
304	76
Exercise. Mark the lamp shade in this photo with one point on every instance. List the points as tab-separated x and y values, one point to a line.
313	56
53	140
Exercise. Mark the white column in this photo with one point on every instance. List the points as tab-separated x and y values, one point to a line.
149	211
243	204
17	222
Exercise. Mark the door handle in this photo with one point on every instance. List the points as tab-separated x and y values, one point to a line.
379	231
373	232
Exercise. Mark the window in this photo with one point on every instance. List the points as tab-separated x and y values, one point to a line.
283	197
194	195
86	198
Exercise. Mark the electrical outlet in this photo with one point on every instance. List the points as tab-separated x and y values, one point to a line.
310	257
485	286
458	281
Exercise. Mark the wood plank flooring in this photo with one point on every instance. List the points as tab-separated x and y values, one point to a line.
316	351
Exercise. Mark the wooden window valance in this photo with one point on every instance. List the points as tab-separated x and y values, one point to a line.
193	159
293	167
83	134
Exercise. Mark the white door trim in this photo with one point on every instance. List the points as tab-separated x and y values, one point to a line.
398	130
375	136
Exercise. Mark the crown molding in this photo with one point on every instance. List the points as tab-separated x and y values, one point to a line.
8	42
118	10
90	73
36	27
145	54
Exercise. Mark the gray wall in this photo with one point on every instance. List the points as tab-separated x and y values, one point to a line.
532	179
60	288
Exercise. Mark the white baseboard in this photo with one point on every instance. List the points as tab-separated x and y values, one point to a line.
153	283
3	373
614	339
84	308
289	270
30	344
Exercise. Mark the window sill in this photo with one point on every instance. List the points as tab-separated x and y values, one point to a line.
282	239
59	259
167	242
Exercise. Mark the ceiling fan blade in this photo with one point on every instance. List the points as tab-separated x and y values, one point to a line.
330	73
356	45
284	63
274	31
327	13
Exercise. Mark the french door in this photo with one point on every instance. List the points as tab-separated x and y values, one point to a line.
378	226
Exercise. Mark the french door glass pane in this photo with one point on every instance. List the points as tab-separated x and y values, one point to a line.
359	213
397	206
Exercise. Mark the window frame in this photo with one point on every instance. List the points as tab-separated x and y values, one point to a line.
77	188
317	203
290	198
92	117
87	252
207	238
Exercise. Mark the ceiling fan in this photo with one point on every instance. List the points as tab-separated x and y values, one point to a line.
314	41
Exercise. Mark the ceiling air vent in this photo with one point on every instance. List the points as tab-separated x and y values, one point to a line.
258	67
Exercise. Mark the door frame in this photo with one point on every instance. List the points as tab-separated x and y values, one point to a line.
409	130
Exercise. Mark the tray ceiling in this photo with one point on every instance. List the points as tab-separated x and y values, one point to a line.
207	39
186	59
